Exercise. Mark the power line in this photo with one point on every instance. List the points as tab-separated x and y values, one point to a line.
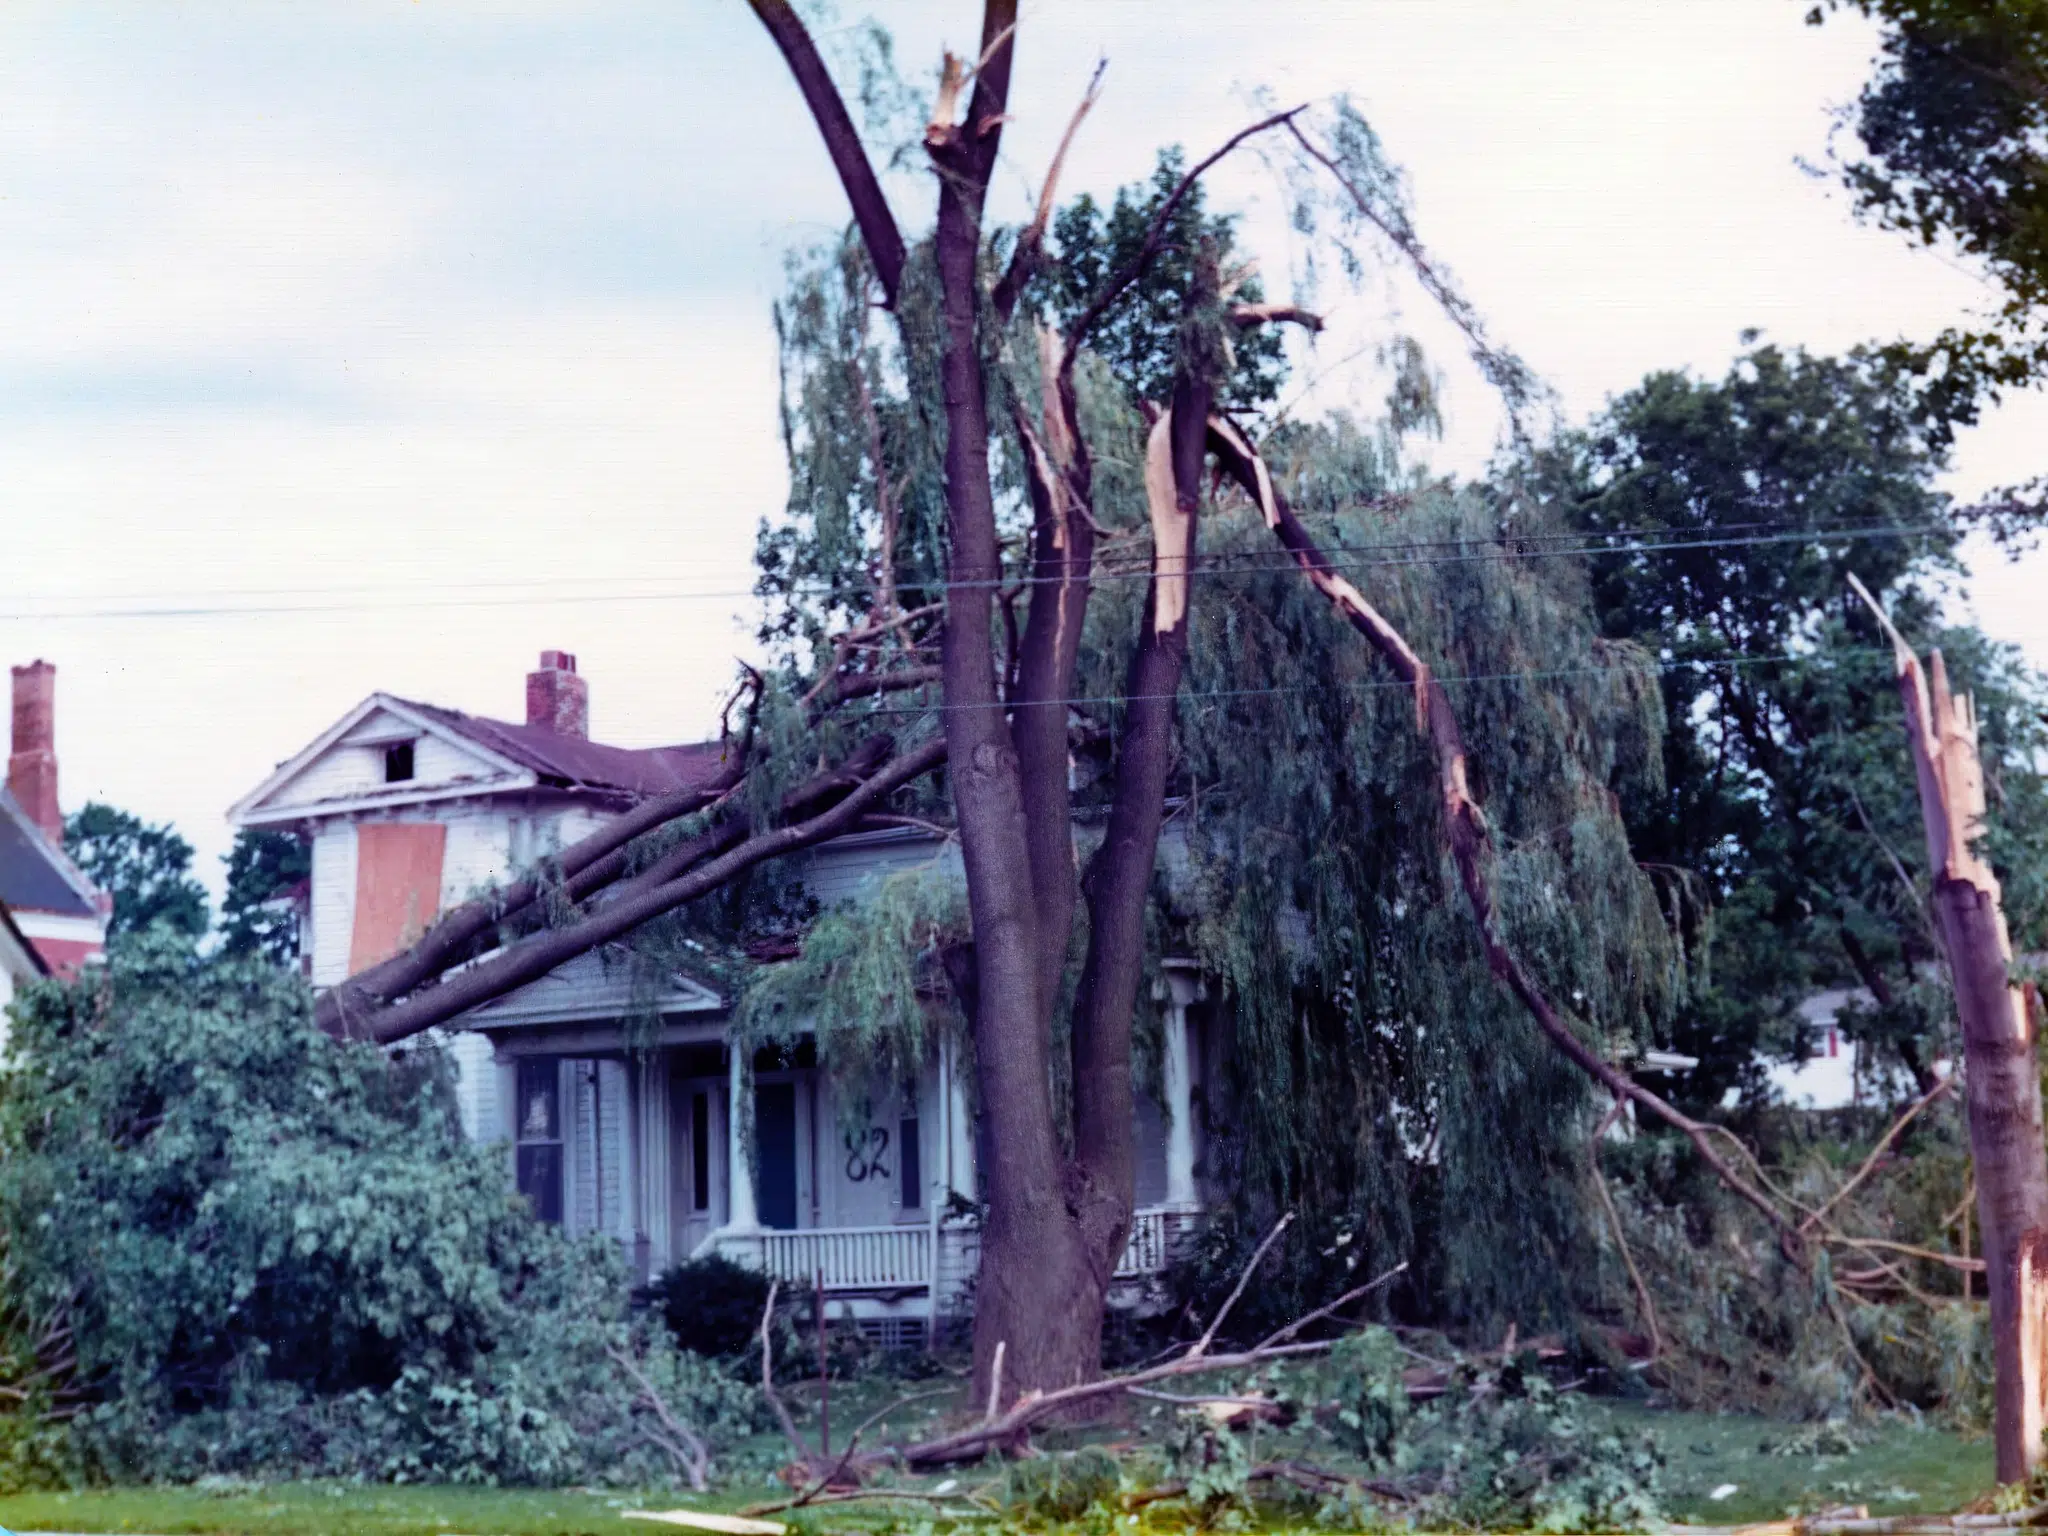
1369	685
1244	563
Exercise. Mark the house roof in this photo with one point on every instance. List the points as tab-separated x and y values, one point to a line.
606	984
19	942
505	758
577	763
35	874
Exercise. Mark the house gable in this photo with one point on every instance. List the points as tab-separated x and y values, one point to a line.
383	754
602	986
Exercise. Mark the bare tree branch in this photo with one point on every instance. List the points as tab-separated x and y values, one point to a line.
842	141
1201	1346
1031	243
1132	270
682	1442
1248	315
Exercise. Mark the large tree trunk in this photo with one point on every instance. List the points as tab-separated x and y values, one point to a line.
2001	1077
1037	1297
1119	875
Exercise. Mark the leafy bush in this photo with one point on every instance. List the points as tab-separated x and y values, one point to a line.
1500	1449
712	1306
279	1255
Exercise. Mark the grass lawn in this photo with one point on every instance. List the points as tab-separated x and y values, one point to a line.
312	1509
1897	1468
1894	1466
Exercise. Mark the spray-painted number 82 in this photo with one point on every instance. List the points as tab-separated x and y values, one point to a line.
864	1153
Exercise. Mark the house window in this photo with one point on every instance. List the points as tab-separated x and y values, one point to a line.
911	1165
540	1137
700	1152
398	762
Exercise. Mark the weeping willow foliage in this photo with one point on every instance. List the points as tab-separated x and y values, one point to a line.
869	985
1377	1070
1377	1073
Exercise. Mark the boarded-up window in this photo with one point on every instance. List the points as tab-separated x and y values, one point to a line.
398	887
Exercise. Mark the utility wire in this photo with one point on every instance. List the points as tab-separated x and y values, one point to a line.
1370	685
1241	564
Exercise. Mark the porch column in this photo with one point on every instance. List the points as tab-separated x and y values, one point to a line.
741	1211
651	1208
959	1142
1182	986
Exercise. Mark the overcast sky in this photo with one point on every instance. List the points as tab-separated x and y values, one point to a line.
379	345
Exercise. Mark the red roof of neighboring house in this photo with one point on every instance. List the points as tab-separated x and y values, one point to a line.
574	762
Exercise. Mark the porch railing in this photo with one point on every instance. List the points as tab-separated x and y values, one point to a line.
850	1258
884	1258
1146	1253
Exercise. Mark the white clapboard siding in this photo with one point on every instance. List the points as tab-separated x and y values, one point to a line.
339	772
477	856
333	900
476	1088
836	874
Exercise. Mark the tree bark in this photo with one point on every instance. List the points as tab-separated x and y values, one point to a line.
1063	554
1119	878
878	230
2002	1079
1037	1297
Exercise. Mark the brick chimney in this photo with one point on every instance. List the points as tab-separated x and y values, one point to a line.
32	762
556	698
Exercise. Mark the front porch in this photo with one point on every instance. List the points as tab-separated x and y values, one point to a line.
684	1148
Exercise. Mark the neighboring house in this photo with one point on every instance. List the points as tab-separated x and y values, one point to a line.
410	808
53	905
19	964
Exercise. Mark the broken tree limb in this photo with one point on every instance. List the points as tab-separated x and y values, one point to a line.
1467	836
1155	234
1884	1145
581	870
682	1443
1247	315
1201	1346
533	957
2001	1076
1644	1303
871	212
1031	242
455	935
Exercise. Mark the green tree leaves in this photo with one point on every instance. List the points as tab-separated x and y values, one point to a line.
146	869
257	915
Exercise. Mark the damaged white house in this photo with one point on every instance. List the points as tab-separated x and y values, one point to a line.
410	808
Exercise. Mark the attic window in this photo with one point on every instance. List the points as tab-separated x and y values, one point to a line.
398	762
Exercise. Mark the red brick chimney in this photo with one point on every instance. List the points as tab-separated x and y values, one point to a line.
556	698
32	763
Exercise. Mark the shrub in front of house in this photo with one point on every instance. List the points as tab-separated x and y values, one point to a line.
279	1256
712	1306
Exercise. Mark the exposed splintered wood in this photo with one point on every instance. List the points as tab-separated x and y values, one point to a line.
2001	1076
1173	528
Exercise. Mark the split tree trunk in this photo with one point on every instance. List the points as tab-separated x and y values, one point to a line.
2001	1077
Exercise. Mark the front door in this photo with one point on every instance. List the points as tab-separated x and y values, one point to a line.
775	1142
